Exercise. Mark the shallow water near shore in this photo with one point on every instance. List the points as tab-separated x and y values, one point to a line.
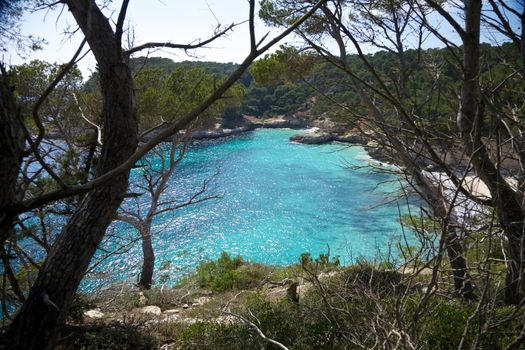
276	200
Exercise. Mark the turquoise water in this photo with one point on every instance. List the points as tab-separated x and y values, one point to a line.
277	200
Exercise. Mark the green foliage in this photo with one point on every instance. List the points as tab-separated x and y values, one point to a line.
229	273
348	306
187	88
444	326
167	66
420	223
323	262
294	326
291	324
290	80
351	304
381	281
286	81
81	303
108	337
32	79
204	335
309	324
286	12
285	64
167	90
59	115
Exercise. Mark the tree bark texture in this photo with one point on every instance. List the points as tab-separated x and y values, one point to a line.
431	194
8	271
11	152
148	264
38	323
458	263
470	119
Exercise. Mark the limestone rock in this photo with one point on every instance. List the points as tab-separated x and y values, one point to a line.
94	314
200	301
142	299
171	312
312	139
350	138
151	310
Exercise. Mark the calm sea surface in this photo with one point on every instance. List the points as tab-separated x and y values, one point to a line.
277	200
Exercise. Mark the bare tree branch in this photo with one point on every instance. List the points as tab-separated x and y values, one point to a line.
47	92
256	328
169	45
120	22
180	124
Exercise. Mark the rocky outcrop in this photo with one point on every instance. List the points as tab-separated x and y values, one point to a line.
150	310
216	133
321	138
377	152
289	122
94	314
292	123
247	124
353	137
312	139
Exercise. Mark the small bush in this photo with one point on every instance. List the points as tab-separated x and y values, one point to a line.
444	325
292	324
80	304
297	327
230	273
323	262
365	277
213	336
445	322
107	337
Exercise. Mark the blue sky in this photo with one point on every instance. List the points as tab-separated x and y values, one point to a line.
164	20
151	20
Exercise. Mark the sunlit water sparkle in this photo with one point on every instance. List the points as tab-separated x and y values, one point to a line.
277	200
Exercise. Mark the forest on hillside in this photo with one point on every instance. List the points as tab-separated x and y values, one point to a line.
275	86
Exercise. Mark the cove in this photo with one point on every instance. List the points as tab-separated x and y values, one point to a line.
277	200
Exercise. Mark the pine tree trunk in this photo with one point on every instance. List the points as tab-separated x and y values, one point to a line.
515	277
8	271
148	264
470	118
458	263
11	150
38	323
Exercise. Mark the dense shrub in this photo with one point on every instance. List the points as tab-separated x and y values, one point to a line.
296	327
364	276
213	336
107	337
445	322
352	307
230	273
81	303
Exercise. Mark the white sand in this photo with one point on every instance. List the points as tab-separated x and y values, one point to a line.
477	187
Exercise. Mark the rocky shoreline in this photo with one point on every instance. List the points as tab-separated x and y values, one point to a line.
247	124
315	136
321	138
